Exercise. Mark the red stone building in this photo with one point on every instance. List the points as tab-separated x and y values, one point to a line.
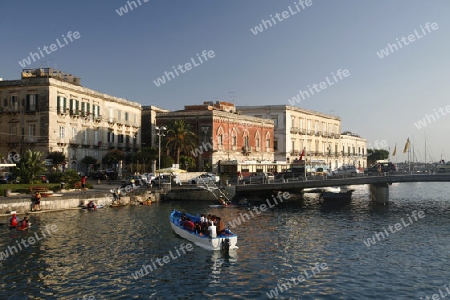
224	134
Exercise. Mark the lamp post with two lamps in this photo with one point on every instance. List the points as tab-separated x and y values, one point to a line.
160	131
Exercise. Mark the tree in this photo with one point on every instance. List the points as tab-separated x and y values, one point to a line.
57	157
180	138
31	165
189	160
376	154
113	157
89	160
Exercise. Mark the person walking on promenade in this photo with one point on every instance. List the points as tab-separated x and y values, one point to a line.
83	184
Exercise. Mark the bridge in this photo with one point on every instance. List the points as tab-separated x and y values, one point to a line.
379	185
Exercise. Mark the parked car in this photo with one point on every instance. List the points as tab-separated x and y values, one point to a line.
205	178
6	177
111	174
162	179
383	167
258	177
345	170
99	175
292	173
150	176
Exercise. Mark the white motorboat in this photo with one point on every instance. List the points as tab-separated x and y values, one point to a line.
223	242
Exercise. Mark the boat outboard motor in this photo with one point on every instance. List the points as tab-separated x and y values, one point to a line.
225	246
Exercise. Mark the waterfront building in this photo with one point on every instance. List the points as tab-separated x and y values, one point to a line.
354	150
49	111
224	134
149	113
317	134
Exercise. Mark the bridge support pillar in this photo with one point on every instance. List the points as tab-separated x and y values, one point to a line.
380	193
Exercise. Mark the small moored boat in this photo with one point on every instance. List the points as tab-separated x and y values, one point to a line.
224	242
330	199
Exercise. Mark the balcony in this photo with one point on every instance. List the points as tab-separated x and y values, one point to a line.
311	132
294	129
247	149
98	118
318	133
302	131
111	120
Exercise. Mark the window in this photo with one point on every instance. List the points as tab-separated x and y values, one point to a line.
309	125
31	102
275	145
83	108
126	116
14	103
268	143
257	141
120	138
110	137
246	141
293	146
61	132
86	134
31	131
220	139
13	131
119	115
301	124
96	137
74	132
316	126
61	104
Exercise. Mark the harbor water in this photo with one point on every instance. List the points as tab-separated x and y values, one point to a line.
293	249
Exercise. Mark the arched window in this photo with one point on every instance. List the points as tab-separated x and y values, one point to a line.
220	133
268	142
246	139
257	141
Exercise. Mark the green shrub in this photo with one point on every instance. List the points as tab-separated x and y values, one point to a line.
55	177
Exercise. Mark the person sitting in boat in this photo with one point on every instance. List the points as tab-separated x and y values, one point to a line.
198	228
24	223
202	218
222	201
212	230
220	226
189	225
14	221
91	204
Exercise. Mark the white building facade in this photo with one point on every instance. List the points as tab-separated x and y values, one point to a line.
315	133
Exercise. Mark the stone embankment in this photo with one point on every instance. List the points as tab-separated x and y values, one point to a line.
22	204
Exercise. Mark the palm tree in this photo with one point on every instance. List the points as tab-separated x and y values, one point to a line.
180	138
31	165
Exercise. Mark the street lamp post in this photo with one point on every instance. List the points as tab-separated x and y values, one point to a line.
159	132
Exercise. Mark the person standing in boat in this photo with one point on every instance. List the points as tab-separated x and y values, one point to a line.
212	230
220	226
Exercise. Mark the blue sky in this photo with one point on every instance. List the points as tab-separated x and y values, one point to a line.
122	56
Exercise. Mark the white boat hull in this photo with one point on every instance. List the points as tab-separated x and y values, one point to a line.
203	241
